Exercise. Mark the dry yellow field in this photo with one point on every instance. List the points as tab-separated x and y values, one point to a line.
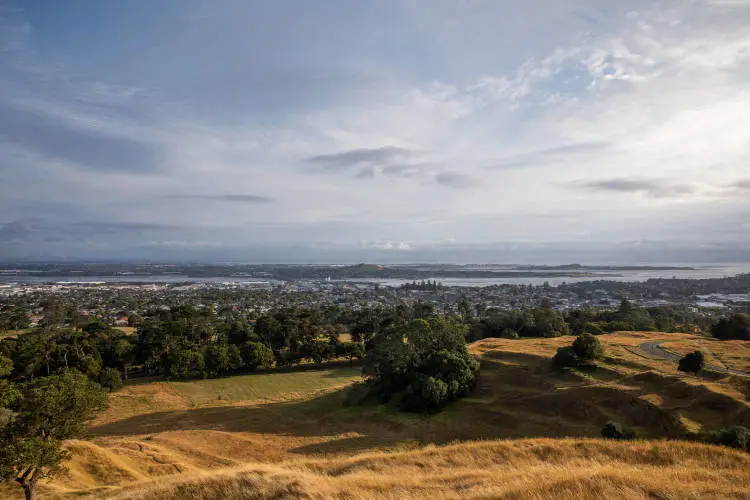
526	432
733	354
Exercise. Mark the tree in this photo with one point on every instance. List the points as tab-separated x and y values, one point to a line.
235	357
736	327
587	346
9	393
693	362
186	362
255	355
217	360
426	361
110	379
52	409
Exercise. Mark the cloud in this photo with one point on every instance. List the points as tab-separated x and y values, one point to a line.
236	198
359	157
402	246
546	156
18	230
651	187
36	230
743	184
81	146
455	180
126	226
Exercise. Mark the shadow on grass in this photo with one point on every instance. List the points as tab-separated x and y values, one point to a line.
517	396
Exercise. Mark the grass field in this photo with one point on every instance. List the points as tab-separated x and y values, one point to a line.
540	468
265	385
288	434
727	353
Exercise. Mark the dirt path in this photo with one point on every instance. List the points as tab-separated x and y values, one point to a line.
654	349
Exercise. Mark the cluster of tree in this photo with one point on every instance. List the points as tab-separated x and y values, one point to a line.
630	318
13	317
97	351
185	342
585	349
546	322
538	322
736	327
424	362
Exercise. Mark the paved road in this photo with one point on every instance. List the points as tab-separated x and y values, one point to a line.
653	349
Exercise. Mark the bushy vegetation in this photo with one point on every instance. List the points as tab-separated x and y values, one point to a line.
425	362
692	362
585	349
736	436
110	379
736	327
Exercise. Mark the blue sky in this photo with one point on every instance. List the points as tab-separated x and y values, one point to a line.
394	130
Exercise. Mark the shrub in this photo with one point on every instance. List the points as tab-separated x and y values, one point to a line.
737	436
110	379
615	430
587	346
566	357
693	362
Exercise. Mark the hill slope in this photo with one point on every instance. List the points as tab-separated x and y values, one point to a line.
538	468
300	441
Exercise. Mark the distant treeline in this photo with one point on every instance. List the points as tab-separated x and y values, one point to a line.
196	341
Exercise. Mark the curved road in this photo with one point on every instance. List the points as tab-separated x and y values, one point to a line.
654	350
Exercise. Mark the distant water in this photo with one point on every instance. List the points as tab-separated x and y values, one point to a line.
699	272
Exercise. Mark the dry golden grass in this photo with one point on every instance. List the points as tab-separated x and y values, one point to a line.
127	330
157	441
535	468
733	354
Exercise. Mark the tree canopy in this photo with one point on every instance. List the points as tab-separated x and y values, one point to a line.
424	361
50	410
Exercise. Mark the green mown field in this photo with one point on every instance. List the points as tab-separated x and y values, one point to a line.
264	385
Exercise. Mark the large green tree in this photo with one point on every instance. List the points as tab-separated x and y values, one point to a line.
51	410
425	361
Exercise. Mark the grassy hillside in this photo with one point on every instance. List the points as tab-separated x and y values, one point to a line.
540	468
288	433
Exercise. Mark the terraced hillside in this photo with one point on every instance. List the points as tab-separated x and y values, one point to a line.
294	437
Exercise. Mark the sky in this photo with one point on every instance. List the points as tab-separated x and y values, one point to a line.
375	130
